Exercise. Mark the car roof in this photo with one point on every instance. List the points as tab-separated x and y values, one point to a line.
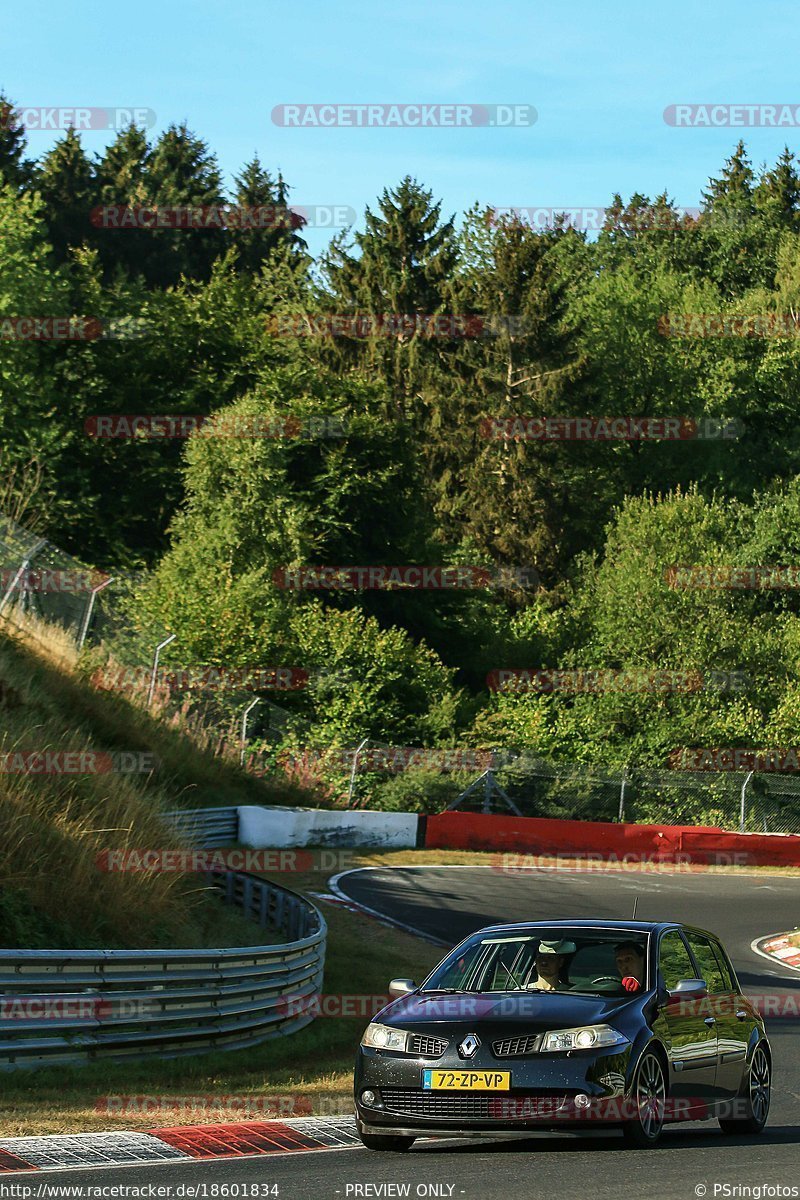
598	923
583	923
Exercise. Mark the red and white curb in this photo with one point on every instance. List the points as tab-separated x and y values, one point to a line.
181	1142
779	947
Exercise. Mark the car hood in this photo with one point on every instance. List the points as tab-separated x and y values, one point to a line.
531	1010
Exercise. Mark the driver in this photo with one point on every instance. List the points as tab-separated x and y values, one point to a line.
629	957
549	963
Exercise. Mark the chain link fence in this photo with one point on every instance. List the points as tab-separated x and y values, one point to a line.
747	801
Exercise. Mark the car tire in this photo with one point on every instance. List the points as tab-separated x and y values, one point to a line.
649	1097
754	1096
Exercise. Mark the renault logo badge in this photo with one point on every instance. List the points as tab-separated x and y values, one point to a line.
469	1045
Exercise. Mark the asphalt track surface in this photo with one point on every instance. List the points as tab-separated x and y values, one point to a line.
448	903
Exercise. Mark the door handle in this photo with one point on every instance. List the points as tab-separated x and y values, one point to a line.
741	1014
710	1021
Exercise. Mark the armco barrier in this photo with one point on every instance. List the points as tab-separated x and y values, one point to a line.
73	1006
666	843
207	827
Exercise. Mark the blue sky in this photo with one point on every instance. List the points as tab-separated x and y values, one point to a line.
599	75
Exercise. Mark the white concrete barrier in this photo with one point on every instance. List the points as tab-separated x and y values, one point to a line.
277	828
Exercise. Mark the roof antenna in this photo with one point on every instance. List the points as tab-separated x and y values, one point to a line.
635	902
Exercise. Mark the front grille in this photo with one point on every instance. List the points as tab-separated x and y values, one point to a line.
428	1047
475	1106
513	1047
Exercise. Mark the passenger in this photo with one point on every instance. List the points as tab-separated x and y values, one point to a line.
629	957
551	975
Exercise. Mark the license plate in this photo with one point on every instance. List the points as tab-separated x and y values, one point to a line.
466	1081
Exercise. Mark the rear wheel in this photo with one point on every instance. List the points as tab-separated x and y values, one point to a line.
649	1097
752	1103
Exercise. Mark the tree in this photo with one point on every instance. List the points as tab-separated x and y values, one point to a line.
66	181
406	256
778	191
257	190
182	172
15	171
122	181
505	496
34	426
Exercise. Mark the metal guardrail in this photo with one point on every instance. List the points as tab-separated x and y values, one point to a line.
209	827
77	1006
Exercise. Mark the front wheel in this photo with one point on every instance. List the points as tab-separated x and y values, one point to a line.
649	1096
752	1103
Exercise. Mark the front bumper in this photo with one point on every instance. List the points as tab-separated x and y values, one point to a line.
547	1091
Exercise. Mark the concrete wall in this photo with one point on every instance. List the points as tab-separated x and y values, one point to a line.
276	828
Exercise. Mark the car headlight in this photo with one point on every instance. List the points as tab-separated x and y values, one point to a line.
383	1037
586	1037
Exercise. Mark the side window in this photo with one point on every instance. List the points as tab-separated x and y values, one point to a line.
673	959
725	968
707	963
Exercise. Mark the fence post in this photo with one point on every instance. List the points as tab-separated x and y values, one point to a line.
621	816
90	609
742	805
158	650
245	715
353	772
26	562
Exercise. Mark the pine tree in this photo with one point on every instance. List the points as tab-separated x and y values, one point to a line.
183	172
406	258
122	181
735	184
14	170
778	190
506	497
257	190
67	184
122	169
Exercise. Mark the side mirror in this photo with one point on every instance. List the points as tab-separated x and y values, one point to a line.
689	989
402	987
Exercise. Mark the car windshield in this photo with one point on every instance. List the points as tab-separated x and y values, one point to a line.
610	962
